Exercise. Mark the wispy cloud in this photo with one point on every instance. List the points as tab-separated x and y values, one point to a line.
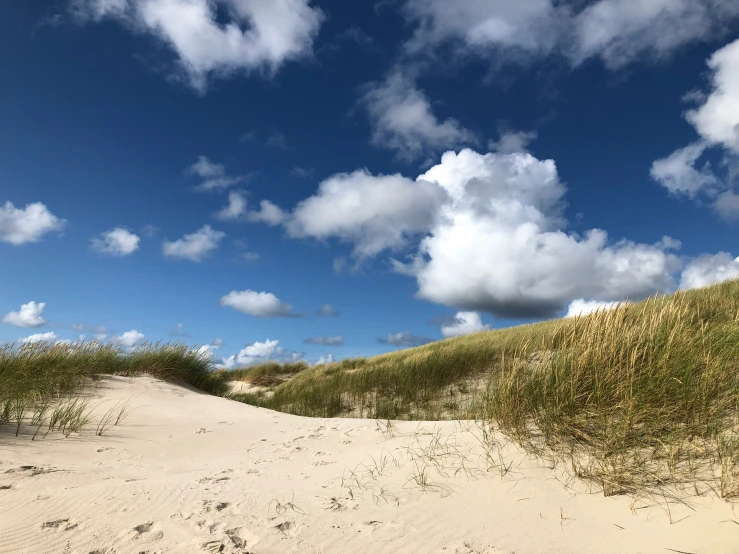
213	175
326	341
404	338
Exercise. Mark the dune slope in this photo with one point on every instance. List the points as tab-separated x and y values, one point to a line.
189	472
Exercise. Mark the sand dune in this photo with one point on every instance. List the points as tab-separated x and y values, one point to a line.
188	472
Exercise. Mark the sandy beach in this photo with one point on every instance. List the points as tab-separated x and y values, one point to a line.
189	472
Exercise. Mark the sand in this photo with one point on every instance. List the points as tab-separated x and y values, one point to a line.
188	472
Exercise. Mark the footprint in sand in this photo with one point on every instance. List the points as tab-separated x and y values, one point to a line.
149	531
242	537
60	524
474	548
288	528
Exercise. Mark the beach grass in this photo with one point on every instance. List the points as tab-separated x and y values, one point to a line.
640	397
42	384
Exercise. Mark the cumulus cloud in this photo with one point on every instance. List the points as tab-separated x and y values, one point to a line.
584	307
30	315
404	338
492	236
236	207
402	119
208	351
678	174
254	353
618	32
326	341
499	245
511	142
327	310
22	225
43	337
268	213
213	175
372	212
257	35
327	359
464	323
116	242
716	120
195	246
709	269
128	340
258	304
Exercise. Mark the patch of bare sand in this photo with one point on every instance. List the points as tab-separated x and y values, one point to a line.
188	472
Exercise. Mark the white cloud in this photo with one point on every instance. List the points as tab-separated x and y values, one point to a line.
19	226
206	169
194	246
258	35
327	359
30	315
127	340
511	142
258	304
326	341
616	31
42	337
678	174
374	212
499	247
208	351
464	324
38	337
236	207
404	338
149	230
79	327
213	175
402	120
268	213
327	310
493	236
709	269
717	122
254	353
584	307
116	242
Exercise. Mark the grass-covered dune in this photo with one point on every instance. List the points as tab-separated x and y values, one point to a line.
42	385
643	394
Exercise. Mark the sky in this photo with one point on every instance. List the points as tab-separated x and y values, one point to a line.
321	179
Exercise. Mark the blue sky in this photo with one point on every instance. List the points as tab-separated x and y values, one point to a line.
326	179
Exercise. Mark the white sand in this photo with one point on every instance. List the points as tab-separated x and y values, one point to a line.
187	472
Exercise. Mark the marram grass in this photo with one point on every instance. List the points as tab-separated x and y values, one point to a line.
641	397
41	384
